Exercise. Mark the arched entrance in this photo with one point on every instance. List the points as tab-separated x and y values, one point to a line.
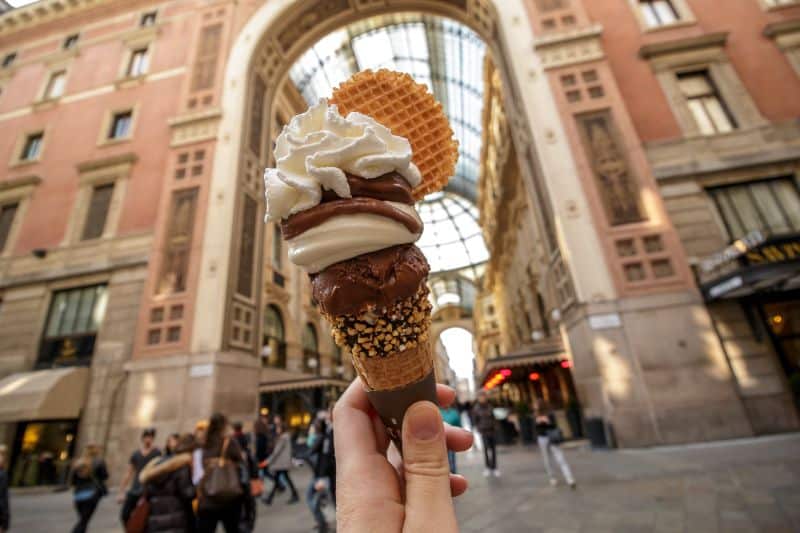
275	36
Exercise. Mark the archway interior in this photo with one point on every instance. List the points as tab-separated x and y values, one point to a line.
449	58
458	343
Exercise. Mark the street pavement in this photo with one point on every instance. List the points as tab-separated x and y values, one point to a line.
742	485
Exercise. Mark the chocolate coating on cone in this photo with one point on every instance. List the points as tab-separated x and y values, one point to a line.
391	405
370	281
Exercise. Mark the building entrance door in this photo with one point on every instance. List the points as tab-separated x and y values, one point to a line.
783	324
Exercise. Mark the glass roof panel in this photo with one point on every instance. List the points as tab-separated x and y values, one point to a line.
448	57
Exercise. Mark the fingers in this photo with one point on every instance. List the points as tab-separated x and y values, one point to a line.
445	395
458	439
458	485
429	505
352	425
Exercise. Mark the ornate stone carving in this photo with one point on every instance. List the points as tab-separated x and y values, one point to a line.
618	189
568	48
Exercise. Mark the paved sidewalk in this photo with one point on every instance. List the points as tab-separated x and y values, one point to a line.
747	485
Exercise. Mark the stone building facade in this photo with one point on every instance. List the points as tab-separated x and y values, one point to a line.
136	272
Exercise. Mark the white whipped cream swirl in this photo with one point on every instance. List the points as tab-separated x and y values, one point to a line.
316	149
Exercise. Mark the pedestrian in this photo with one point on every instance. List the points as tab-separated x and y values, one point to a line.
89	475
171	444
280	461
323	462
129	496
451	416
548	436
484	422
169	490
213	509
5	509
249	473
200	429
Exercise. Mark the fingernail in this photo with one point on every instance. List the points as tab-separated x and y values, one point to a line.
424	421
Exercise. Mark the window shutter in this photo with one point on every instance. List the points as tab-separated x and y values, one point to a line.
7	213
178	243
98	212
257	115
205	65
247	254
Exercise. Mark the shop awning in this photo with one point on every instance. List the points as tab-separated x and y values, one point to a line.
54	394
543	355
276	379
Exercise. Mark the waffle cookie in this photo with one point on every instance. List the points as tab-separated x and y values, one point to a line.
408	109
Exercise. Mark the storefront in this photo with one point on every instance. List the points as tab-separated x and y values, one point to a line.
761	275
42	410
296	397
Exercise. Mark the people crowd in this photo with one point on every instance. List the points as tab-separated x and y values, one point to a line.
218	474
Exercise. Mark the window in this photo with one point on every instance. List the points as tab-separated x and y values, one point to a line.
98	212
772	206
705	104
7	213
73	320
55	85
310	349
32	148
175	267
121	125
71	41
9	59
140	60
277	248
658	12
274	350
148	19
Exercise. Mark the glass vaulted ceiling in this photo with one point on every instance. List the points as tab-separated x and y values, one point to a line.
448	58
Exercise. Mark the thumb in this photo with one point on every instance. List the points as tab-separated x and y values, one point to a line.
429	506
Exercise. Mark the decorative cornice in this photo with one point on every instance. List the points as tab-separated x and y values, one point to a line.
16	183
568	48
43	11
94	164
709	40
783	27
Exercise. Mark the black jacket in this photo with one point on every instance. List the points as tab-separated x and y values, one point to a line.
168	485
325	464
5	510
96	480
483	418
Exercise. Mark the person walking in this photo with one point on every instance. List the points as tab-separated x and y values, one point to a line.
169	490
213	510
323	463
280	461
451	416
200	430
171	444
5	509
548	436
129	496
483	420
249	473
89	475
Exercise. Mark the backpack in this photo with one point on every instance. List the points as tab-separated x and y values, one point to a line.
221	482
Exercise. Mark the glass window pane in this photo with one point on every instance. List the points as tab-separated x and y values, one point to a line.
786	193
728	213
649	14
100	300
746	209
769	208
57	308
71	312
666	13
84	321
702	120
693	85
721	120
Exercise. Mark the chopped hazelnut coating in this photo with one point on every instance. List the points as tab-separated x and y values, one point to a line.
397	328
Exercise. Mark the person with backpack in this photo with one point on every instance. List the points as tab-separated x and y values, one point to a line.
548	436
129	497
280	461
220	490
168	487
89	475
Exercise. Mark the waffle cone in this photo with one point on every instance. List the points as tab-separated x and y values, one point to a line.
396	370
408	109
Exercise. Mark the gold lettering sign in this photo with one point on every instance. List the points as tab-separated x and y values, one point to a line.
774	253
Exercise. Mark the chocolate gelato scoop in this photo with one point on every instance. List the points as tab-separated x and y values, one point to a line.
370	281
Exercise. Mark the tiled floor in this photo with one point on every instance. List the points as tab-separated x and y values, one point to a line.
750	485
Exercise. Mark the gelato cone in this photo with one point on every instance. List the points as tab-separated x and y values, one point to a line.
343	191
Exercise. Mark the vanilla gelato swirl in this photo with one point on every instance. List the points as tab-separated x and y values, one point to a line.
316	150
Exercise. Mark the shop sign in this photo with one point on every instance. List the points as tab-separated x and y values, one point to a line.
201	371
726	286
605	321
775	252
732	252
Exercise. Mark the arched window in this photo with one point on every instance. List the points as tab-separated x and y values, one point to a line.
310	349
274	342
